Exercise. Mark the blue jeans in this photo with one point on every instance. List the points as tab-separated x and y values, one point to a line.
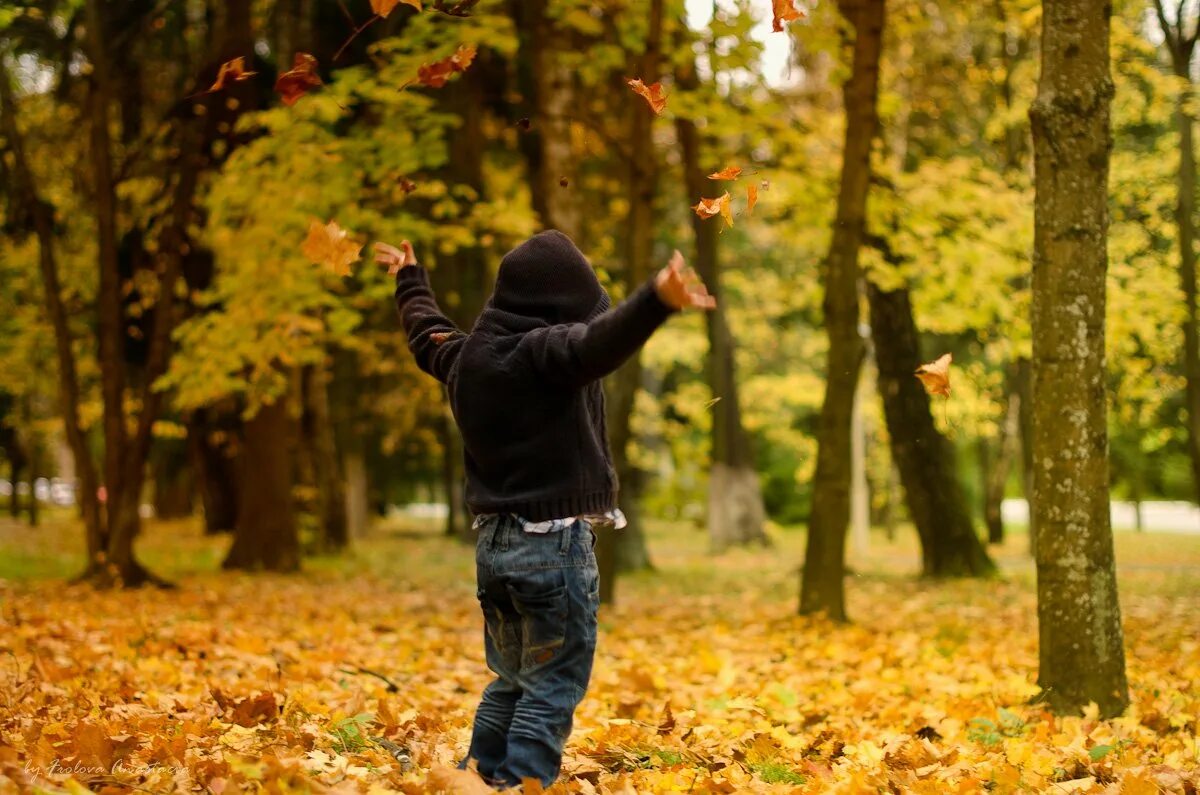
539	594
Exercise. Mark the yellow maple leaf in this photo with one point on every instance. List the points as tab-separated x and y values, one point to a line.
330	245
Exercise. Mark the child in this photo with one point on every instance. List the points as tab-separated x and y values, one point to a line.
524	387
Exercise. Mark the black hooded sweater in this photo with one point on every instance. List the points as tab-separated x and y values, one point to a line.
524	384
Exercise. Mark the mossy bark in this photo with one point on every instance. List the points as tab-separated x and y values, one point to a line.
1081	649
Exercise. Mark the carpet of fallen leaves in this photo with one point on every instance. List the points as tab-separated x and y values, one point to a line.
361	674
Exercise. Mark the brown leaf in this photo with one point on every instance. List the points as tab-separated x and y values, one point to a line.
385	7
407	185
729	172
784	11
437	73
751	198
709	208
299	80
653	94
439	337
936	375
330	245
231	71
666	724
453	780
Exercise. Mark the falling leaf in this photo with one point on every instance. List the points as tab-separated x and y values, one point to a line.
766	185
330	245
385	7
439	337
784	11
936	376
563	182
407	185
437	73
299	80
524	124
712	403
653	94
231	71
708	208
729	172
751	198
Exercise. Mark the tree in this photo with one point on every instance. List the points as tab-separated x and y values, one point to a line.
922	455
1180	44
1081	649
822	587
735	503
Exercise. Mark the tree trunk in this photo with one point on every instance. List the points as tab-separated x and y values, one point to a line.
1024	391
626	549
110	326
735	505
68	379
462	276
327	473
822	586
213	466
999	465
1081	648
547	83
924	457
1185	213
1181	44
358	501
173	481
266	536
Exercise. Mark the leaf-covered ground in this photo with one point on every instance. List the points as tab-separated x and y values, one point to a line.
362	674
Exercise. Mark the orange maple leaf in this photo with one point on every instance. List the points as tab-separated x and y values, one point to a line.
297	81
729	172
652	93
385	7
708	208
437	73
231	71
936	375
751	198
331	246
784	11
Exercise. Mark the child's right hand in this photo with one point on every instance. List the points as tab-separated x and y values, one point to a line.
395	258
679	287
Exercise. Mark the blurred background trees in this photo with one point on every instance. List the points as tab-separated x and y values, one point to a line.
166	343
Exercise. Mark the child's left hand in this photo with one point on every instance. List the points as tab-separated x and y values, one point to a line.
395	258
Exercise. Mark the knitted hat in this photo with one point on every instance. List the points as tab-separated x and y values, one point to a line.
548	277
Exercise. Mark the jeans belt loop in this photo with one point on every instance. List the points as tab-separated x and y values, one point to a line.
564	545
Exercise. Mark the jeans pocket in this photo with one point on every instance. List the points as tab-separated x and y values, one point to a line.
541	600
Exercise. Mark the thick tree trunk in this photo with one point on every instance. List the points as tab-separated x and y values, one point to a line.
266	536
924	457
1081	648
327	473
822	586
68	379
735	505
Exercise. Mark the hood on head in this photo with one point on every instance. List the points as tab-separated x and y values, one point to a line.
548	277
